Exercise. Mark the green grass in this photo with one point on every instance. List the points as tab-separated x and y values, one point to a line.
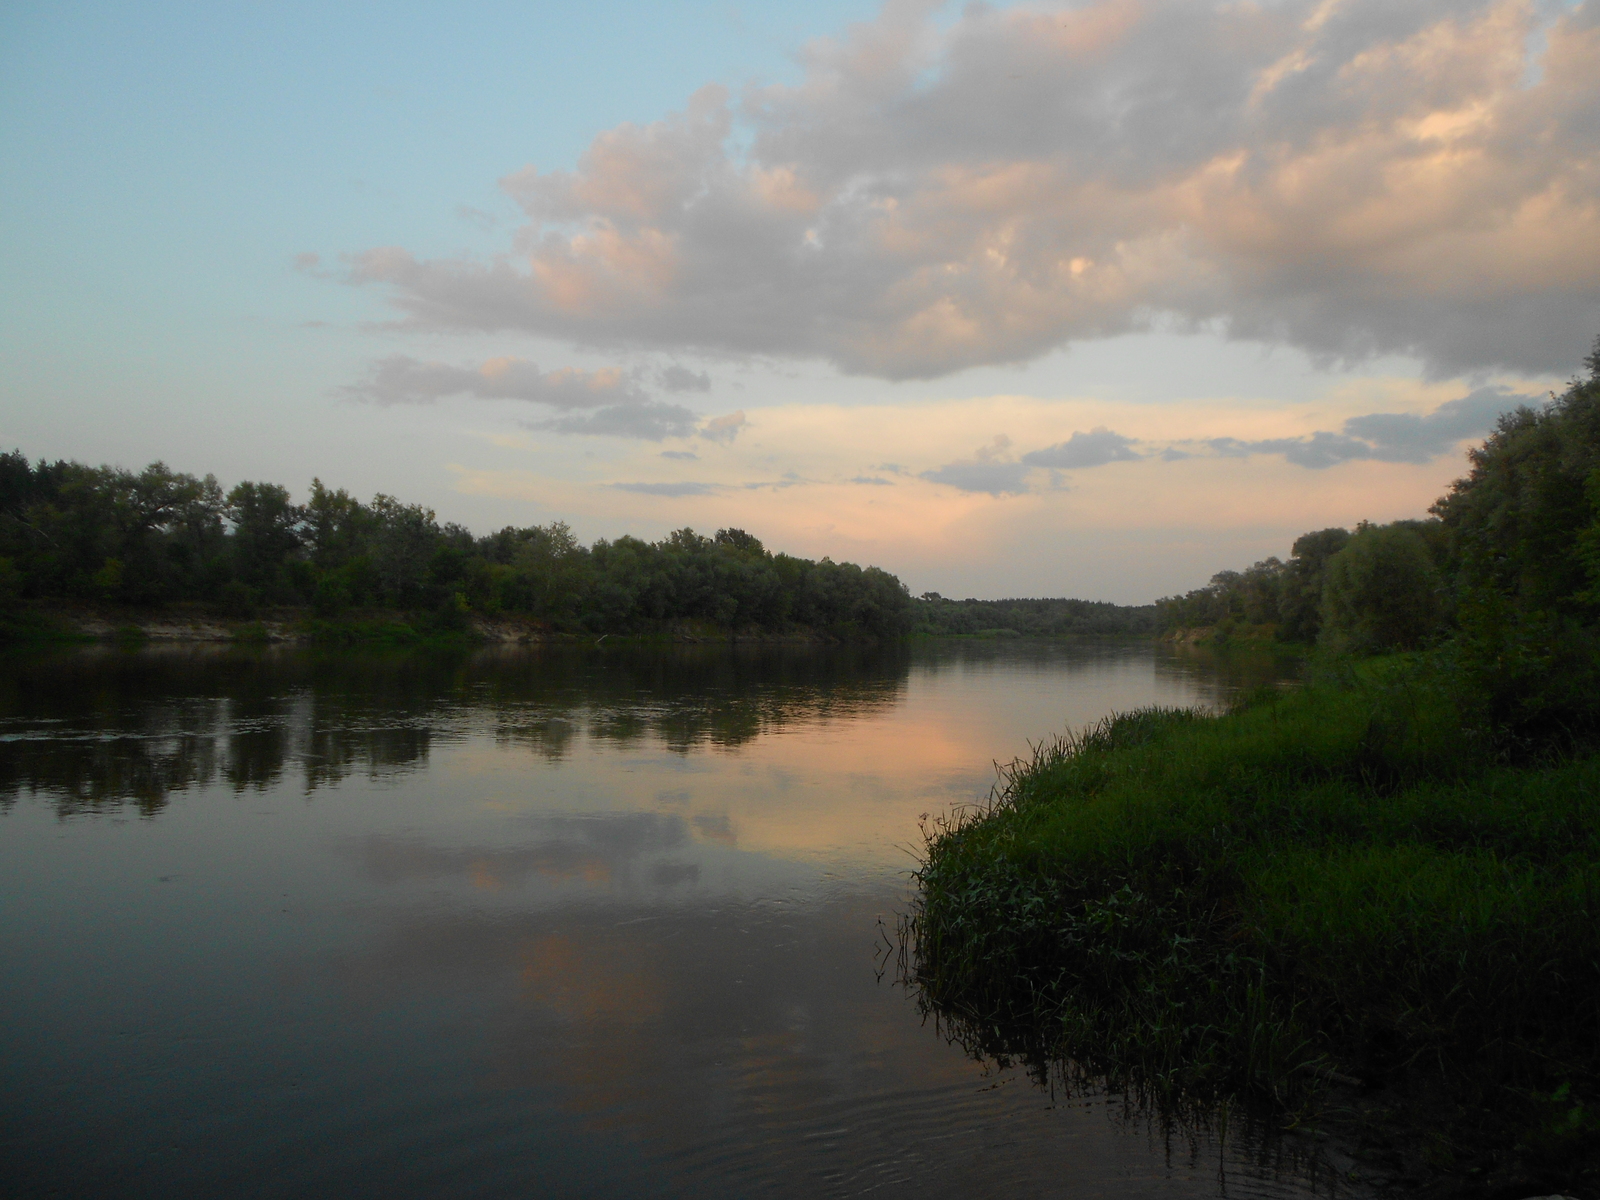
1343	880
28	626
383	632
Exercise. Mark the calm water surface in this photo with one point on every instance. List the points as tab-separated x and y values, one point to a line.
526	923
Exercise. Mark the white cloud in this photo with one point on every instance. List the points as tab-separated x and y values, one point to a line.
670	490
607	401
1093	449
989	470
1128	531
677	378
725	428
1354	179
1384	437
651	420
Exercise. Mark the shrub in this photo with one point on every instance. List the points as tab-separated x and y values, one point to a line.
1381	592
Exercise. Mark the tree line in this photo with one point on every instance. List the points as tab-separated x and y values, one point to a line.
1504	575
69	531
1508	563
941	616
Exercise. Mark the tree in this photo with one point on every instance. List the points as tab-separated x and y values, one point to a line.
1524	529
266	530
337	527
1301	597
1381	591
404	538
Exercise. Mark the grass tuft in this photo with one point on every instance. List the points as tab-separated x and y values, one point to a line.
1342	882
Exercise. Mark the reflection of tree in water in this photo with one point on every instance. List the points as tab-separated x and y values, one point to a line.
690	696
98	728
83	773
1222	673
1163	1107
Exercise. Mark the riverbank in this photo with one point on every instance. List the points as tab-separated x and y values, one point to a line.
1339	900
179	623
66	624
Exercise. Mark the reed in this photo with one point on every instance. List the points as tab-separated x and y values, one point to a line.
1348	881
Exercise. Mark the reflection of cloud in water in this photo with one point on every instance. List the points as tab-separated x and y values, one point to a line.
566	977
90	729
594	849
748	1048
832	747
554	930
671	874
715	827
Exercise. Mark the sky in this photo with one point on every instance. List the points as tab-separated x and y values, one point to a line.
1088	299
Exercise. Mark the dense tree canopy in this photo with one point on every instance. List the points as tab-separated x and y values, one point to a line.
1524	539
1506	574
1507	570
1382	591
940	615
69	531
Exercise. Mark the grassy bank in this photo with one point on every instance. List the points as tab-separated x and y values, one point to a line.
1339	898
27	628
66	623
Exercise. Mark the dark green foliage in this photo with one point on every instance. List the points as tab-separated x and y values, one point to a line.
1291	599
106	535
1391	877
1335	879
938	615
1381	592
1301	601
266	531
1517	519
1525	531
1255	596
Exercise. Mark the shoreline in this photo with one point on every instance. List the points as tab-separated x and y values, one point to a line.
1327	900
82	624
85	625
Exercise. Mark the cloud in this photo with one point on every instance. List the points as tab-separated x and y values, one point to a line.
871	479
686	455
724	429
1320	449
1353	180
1385	437
650	420
607	401
988	470
399	379
674	490
995	478
485	222
677	378
1406	437
1093	449
788	480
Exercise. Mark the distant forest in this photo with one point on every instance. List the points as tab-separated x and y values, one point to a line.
941	616
157	537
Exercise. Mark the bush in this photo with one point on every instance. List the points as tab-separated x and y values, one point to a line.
1333	879
1381	592
1525	528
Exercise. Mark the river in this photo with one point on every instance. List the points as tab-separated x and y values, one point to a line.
602	922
